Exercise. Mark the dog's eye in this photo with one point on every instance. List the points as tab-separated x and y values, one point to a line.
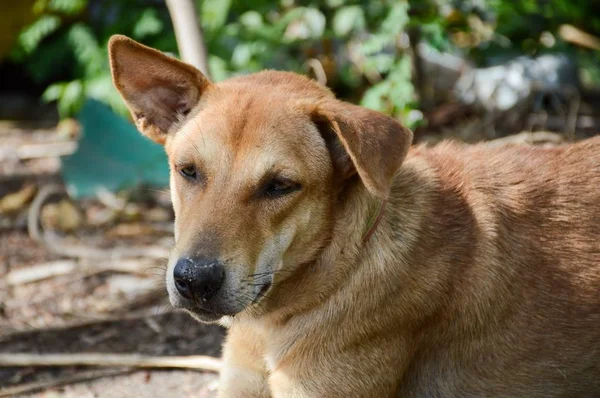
188	172
278	187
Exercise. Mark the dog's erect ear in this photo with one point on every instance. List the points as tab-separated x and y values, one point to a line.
363	141
158	89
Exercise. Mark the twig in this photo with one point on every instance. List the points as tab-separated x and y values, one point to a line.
36	151
62	381
40	272
579	37
49	150
528	138
200	362
318	70
81	251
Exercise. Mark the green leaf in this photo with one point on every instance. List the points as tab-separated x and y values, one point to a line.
241	55
148	24
395	93
53	92
251	20
69	7
31	37
213	14
348	19
218	68
381	62
102	89
86	49
375	98
397	18
71	99
304	23
334	3
374	44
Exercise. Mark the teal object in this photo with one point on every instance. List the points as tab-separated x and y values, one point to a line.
112	155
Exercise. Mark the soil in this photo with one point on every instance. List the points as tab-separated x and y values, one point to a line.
155	330
91	310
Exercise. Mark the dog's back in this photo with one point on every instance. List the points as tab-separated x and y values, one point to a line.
516	233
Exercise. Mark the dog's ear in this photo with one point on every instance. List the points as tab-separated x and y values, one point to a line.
159	90
363	141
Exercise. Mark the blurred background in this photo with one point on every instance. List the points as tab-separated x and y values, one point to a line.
85	217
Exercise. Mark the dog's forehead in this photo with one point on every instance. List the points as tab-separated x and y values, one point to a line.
247	125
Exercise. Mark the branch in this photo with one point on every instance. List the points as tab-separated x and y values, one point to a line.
200	362
188	32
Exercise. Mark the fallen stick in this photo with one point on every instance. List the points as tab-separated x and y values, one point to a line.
47	150
37	151
40	272
65	249
529	138
62	381
200	362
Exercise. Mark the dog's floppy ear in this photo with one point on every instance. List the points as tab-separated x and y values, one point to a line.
158	89
363	141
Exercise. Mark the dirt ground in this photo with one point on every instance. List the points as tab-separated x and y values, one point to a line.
93	283
87	276
158	383
152	330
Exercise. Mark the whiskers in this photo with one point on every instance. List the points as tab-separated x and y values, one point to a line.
261	280
262	277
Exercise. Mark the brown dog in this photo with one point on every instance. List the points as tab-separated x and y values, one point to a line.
344	267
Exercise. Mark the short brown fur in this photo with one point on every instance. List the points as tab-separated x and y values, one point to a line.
482	277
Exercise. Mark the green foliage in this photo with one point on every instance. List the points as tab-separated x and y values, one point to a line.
347	20
67	7
356	43
362	45
394	94
509	28
149	24
31	37
65	48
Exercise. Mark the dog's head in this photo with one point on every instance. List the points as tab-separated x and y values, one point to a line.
257	165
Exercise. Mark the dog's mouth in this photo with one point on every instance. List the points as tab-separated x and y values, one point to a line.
204	315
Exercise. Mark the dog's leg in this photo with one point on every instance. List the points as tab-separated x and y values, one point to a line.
244	373
372	369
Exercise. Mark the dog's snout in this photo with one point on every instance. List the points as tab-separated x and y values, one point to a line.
198	279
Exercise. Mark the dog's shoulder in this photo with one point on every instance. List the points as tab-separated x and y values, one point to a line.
514	186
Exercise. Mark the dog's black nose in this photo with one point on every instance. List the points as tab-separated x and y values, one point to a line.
198	279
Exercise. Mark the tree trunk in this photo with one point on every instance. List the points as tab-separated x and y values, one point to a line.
188	32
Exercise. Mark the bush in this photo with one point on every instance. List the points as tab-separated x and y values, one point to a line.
360	46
